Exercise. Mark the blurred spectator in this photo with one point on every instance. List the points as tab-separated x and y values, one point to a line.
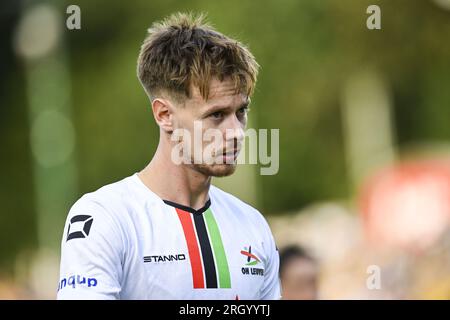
298	274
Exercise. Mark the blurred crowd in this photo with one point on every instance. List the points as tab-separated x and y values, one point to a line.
331	251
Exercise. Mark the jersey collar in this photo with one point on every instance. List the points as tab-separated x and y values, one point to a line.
189	209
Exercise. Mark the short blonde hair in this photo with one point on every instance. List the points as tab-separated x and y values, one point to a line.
183	51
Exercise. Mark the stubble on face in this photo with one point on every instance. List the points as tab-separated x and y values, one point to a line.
222	94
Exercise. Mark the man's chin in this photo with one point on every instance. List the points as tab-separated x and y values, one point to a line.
216	170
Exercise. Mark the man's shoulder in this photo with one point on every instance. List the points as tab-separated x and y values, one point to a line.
98	215
109	198
113	190
234	202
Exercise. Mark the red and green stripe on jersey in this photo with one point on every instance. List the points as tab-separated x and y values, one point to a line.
209	263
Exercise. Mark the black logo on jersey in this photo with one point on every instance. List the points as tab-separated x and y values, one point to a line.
171	257
82	224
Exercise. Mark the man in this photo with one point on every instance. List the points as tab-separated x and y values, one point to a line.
166	232
298	274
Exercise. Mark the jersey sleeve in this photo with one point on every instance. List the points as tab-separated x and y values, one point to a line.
271	288
91	254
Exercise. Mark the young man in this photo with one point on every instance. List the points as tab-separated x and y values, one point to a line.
166	232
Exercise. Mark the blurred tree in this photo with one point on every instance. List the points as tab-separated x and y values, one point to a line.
17	217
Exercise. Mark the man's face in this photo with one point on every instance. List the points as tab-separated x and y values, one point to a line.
299	280
220	121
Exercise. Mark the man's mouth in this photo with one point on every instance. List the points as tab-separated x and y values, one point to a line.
231	152
229	157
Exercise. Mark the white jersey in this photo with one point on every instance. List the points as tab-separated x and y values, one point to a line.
124	242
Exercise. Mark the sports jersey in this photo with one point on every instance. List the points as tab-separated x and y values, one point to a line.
124	242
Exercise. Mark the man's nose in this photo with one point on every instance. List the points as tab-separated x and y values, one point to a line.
235	130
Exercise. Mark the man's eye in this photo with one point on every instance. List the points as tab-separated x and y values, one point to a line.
216	115
242	111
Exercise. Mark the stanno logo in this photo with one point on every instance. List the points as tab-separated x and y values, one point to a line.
79	227
164	258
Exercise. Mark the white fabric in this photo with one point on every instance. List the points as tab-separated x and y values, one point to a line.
115	227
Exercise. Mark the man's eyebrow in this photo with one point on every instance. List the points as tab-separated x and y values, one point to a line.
226	108
245	104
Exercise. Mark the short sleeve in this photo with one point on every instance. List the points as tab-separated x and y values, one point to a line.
91	253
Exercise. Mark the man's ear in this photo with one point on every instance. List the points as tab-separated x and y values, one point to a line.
162	111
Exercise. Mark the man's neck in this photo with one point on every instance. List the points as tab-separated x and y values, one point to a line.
177	183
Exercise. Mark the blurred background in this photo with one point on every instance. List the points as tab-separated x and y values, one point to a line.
364	118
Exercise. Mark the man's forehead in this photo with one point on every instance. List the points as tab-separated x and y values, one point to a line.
223	92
